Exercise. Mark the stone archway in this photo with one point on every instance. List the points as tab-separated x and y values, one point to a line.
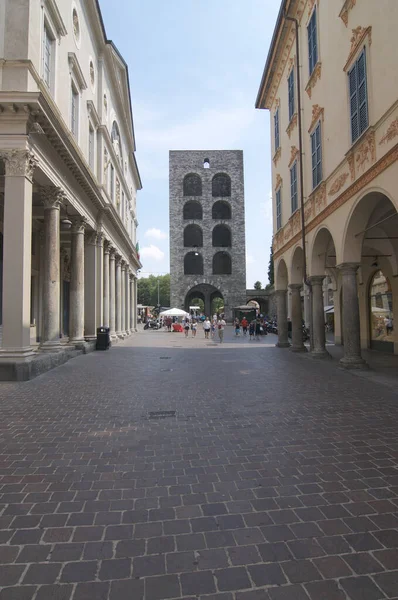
205	292
369	244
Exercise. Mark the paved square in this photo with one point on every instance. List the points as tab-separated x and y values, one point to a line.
170	468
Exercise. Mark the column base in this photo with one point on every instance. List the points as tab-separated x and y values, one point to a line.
298	349
51	347
356	362
322	354
114	337
16	354
80	340
282	345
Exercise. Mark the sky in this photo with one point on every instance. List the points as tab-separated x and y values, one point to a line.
195	68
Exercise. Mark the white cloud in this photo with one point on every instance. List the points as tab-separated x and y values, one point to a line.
156	234
152	252
249	259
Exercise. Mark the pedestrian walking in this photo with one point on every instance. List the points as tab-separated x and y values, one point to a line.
186	328
244	324
207	328
221	325
193	328
258	329
252	330
213	328
237	327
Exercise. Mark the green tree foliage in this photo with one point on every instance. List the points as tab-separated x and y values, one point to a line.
257	285
271	276
147	288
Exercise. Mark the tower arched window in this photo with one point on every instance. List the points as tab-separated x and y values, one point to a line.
221	236
221	210
221	185
193	264
192	210
192	185
222	264
117	142
193	236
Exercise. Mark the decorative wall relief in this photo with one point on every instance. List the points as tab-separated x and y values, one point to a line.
294	155
292	125
347	6
392	132
315	76
338	184
358	37
317	113
366	152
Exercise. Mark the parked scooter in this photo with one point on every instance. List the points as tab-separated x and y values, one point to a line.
151	325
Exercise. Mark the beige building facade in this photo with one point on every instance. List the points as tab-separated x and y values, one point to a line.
68	183
331	86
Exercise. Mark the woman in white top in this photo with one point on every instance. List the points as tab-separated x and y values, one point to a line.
206	328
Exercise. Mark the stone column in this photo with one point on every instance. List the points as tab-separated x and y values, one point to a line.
352	358
281	310
100	279
50	338
123	300
135	303
297	319
128	328
112	293
131	286
76	315
17	257
90	287
105	318
318	349
118	295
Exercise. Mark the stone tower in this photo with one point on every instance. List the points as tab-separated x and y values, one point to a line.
207	228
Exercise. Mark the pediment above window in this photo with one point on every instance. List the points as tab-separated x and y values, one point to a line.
56	18
77	71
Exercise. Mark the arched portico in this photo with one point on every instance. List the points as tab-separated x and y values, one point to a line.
322	260
296	278
206	292
281	285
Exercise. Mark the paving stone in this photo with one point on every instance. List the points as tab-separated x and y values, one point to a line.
363	563
25	592
270	574
361	588
161	588
234	578
198	583
60	592
332	567
90	591
75	572
289	592
300	571
10	574
126	589
244	555
388	582
42	573
329	590
178	562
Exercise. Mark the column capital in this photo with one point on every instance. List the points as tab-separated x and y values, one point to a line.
19	163
316	279
112	252
280	292
78	225
348	267
92	238
107	247
124	265
295	286
52	197
118	258
100	239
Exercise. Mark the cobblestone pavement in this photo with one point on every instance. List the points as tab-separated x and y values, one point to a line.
171	468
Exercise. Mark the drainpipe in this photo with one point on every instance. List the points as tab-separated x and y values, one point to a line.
301	170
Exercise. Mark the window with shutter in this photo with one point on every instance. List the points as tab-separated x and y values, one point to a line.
316	154
276	130
293	187
290	84
278	209
312	42
358	97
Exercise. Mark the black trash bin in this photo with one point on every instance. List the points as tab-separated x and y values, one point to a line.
103	339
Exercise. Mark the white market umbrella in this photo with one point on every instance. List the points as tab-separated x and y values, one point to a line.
174	312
